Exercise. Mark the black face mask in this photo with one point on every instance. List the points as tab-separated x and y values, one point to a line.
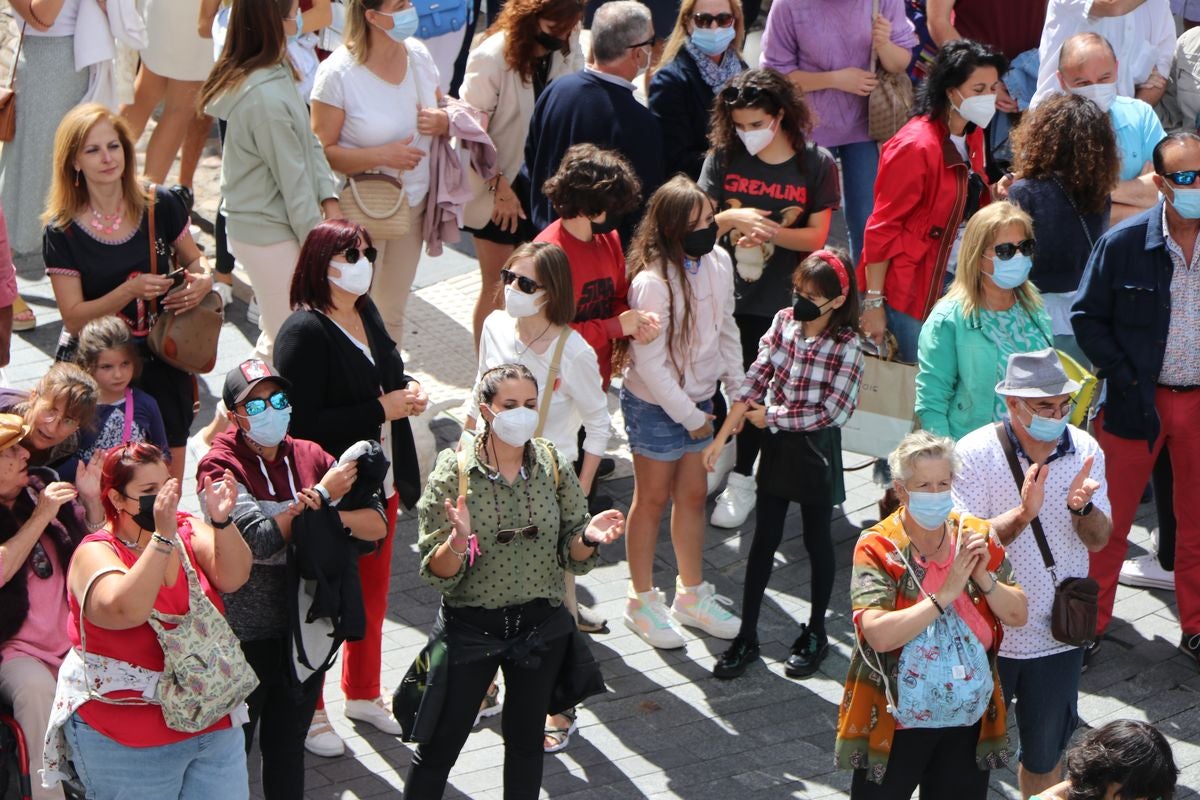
611	221
805	310
145	514
700	243
551	43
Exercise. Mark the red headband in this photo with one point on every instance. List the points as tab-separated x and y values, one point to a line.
832	260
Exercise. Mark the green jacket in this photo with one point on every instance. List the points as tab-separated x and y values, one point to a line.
273	169
960	367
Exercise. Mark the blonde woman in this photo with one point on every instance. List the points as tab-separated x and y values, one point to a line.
991	311
375	109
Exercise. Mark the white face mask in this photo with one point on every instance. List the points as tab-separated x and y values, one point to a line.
518	304
978	109
515	426
355	278
1102	94
756	141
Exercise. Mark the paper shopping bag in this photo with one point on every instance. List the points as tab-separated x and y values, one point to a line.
885	408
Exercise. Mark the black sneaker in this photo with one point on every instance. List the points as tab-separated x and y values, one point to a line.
1190	645
1089	654
808	651
733	662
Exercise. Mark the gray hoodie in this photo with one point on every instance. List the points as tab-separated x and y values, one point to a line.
273	169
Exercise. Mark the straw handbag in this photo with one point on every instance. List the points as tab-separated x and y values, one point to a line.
378	203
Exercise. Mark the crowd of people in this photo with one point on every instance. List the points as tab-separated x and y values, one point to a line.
652	216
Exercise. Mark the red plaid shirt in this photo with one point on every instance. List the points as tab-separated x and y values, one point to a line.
805	385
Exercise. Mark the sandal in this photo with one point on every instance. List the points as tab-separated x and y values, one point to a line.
590	621
490	706
557	739
23	316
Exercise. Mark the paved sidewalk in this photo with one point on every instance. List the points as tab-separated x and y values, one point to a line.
666	729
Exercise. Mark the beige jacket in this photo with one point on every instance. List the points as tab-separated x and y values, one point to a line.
491	87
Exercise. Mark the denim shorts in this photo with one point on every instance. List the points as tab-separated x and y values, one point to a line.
1047	692
655	435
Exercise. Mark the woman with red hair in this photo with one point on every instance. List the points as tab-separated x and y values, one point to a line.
348	384
119	576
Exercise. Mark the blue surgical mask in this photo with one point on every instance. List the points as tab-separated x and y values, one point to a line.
712	41
930	509
268	427
1186	202
1046	430
404	23
295	37
1012	273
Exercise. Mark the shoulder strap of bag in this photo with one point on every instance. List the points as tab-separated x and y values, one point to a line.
1086	231
870	25
551	379
1040	535
12	76
128	429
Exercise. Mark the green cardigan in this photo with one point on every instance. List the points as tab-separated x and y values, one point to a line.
959	369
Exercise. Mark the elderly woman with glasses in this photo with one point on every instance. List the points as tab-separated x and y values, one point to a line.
498	523
991	311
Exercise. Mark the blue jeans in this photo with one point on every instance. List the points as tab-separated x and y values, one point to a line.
906	329
203	767
859	162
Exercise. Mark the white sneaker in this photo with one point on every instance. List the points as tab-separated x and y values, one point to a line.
701	607
322	739
225	291
374	712
1147	572
646	615
725	463
736	502
252	311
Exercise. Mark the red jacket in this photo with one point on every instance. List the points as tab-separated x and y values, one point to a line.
920	194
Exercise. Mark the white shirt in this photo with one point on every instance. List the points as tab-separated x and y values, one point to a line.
378	112
1143	39
64	23
578	397
985	488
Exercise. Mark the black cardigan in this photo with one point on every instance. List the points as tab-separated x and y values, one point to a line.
682	102
335	388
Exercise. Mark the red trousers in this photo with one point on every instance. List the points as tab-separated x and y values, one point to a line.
1129	463
362	661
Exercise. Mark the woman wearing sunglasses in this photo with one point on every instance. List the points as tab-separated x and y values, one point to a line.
703	52
775	192
991	311
277	477
348	384
497	555
828	48
41	524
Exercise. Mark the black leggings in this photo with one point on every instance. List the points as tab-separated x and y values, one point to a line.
282	711
224	259
939	760
770	513
526	702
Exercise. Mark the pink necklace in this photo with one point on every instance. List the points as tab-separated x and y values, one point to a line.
106	223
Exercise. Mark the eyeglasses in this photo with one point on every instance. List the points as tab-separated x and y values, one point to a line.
507	535
278	400
648	43
526	285
1053	412
351	253
57	418
706	20
1007	250
1184	178
746	95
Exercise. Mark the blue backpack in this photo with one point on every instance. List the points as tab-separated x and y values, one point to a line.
439	17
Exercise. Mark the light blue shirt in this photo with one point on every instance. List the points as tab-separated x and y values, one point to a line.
1138	130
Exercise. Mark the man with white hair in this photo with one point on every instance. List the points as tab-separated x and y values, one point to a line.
598	106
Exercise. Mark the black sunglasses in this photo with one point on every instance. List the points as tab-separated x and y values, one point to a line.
1184	178
43	567
1007	250
648	43
278	400
526	285
351	253
507	535
744	96
723	20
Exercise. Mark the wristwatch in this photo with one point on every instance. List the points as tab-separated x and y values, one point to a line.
1083	512
584	538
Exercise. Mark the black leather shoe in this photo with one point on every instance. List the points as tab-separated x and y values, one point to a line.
733	662
808	651
1190	645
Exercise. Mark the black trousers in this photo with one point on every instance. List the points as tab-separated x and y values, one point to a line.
939	760
526	702
770	512
282	710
